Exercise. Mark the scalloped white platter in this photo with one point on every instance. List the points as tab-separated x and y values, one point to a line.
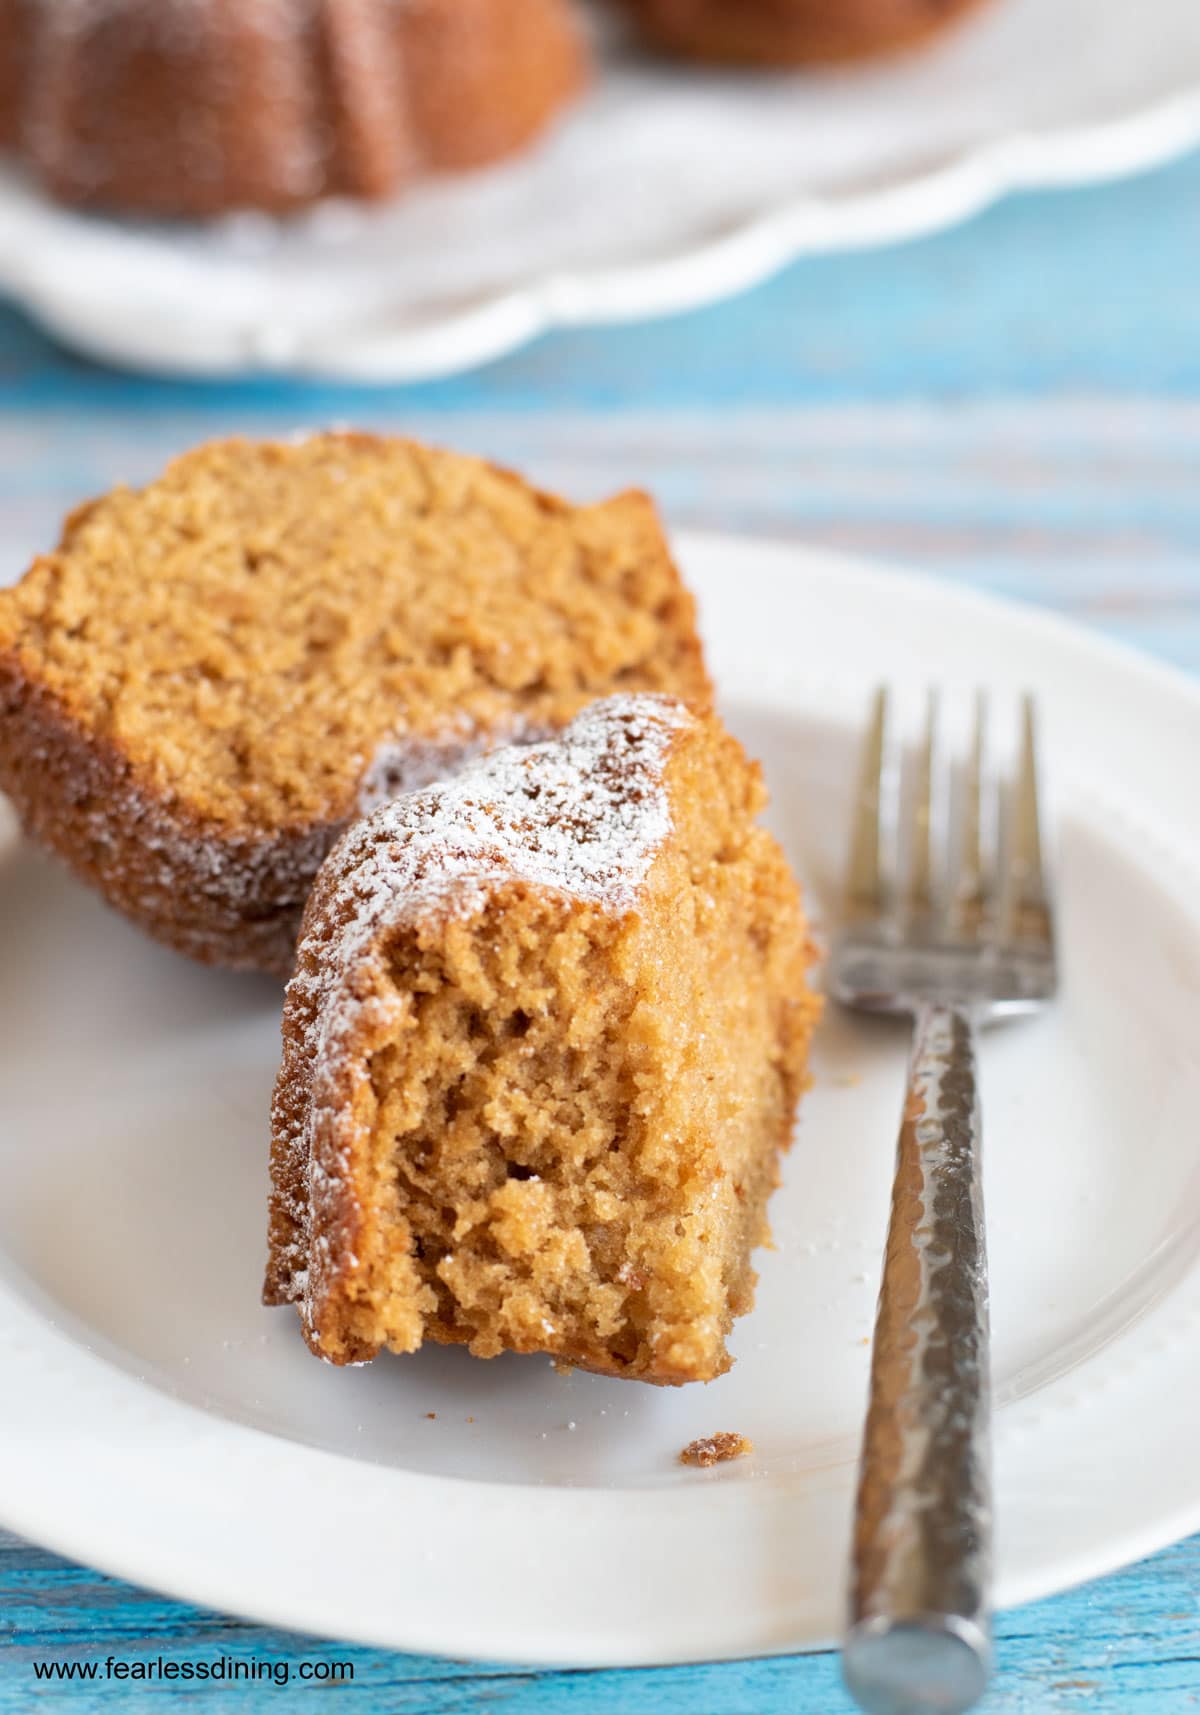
161	1424
666	188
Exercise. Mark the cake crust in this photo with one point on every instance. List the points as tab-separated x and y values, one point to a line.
218	895
542	1050
792	32
195	107
210	678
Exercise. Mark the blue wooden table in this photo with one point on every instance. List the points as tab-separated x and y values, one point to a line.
1015	405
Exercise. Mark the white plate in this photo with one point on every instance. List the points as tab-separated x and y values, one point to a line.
667	188
159	1423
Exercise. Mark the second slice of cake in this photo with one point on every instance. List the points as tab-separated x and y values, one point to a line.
211	677
542	1048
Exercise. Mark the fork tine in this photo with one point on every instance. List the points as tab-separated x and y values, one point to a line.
920	885
971	890
1029	903
867	880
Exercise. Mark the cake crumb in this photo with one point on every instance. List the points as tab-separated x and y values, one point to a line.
518	880
432	1416
716	1449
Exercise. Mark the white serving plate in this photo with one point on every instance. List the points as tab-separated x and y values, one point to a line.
159	1423
665	189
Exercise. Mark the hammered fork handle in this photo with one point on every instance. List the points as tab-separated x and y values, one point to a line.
920	1638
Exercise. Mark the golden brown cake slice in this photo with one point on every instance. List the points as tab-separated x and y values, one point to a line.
210	677
542	1048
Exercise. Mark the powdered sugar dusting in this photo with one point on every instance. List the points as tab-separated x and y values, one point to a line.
582	815
408	762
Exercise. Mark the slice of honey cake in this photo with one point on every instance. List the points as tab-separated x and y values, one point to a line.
209	678
543	1046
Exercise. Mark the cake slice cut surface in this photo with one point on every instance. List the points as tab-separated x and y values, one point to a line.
542	1049
212	676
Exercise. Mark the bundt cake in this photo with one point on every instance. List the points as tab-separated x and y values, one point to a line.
790	32
192	107
210	677
543	1045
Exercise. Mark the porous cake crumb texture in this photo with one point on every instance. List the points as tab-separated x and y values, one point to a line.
717	1449
210	677
543	1046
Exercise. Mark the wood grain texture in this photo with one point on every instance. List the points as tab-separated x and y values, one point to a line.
1127	1646
1015	406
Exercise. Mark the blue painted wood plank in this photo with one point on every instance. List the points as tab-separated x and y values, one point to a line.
1092	508
1127	1646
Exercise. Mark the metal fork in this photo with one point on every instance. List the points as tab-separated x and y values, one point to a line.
966	939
